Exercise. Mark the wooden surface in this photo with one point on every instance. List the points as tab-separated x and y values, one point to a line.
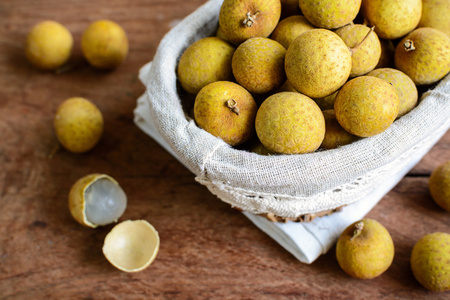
208	250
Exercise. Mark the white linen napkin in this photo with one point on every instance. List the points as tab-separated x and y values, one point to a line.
306	241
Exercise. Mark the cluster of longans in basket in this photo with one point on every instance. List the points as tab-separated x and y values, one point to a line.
316	75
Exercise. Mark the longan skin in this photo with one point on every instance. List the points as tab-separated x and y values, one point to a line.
366	106
436	14
394	18
330	14
258	65
212	114
365	56
430	261
205	61
439	185
368	254
290	123
335	135
404	86
48	45
104	44
318	63
430	61
78	124
233	13
289	29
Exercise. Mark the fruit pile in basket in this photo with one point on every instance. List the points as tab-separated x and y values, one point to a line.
318	75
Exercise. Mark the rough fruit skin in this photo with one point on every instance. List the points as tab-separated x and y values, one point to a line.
326	102
430	261
318	63
290	28
330	14
258	65
213	113
78	124
405	87
436	14
205	61
48	45
394	18
439	185
366	106
233	13
429	62
335	135
368	254
104	44
290	123
366	52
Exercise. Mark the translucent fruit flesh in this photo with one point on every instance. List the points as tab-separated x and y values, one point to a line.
105	202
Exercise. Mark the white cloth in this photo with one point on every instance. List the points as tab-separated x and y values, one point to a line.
285	185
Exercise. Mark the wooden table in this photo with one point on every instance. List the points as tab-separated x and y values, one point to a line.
208	250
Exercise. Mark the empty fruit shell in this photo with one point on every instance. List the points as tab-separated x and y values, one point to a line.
131	246
97	200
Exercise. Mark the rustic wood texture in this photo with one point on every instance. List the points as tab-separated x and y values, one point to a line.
208	250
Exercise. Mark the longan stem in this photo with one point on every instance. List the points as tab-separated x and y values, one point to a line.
250	19
358	229
409	45
232	105
353	50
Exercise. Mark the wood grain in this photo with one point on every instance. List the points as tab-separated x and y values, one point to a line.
208	250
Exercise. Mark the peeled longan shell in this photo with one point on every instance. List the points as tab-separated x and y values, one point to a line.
131	246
